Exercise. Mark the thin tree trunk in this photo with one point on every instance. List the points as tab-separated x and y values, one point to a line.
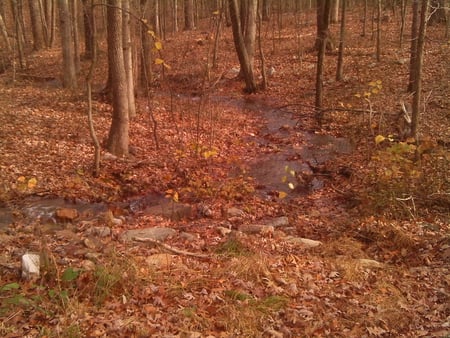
340	64
378	48
5	33
118	137
413	47
323	36
36	25
19	34
69	71
76	35
128	58
240	48
417	85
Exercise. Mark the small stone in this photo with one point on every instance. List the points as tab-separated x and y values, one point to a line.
100	231
66	214
30	266
88	265
188	237
157	233
235	212
369	263
158	260
278	222
257	229
305	242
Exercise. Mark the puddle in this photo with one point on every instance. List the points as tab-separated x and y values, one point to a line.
284	168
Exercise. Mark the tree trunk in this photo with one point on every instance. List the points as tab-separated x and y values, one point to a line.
19	33
128	58
244	60
88	23
340	65
417	85
76	35
413	48
118	137
265	10
378	47
437	12
335	12
325	6
189	15
36	25
145	72
5	33
69	71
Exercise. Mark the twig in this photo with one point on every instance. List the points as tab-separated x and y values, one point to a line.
170	248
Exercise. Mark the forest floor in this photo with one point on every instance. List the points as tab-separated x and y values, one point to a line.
293	228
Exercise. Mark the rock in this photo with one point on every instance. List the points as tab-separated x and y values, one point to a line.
304	242
278	221
158	260
223	231
235	212
91	243
188	237
256	229
100	231
369	263
157	233
66	214
30	266
88	265
170	210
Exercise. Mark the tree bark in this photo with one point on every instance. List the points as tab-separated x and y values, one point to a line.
5	33
189	15
118	137
88	24
36	25
128	58
413	47
340	64
417	85
325	6
69	71
244	60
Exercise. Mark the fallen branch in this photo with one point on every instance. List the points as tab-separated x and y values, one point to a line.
170	248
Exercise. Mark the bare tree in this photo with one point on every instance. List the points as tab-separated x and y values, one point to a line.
417	85
340	65
323	9
69	71
189	15
128	57
241	47
4	32
413	47
118	138
36	25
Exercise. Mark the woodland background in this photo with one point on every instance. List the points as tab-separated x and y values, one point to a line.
294	160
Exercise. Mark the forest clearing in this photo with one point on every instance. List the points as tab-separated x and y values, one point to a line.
234	201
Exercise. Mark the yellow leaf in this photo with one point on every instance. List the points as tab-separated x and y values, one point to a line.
375	91
32	183
379	82
292	172
291	186
284	179
216	13
209	153
379	139
372	83
286	168
367	94
358	95
175	197
21	179
158	45
282	194
159	61
151	33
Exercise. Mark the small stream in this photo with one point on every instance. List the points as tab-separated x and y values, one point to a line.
286	153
